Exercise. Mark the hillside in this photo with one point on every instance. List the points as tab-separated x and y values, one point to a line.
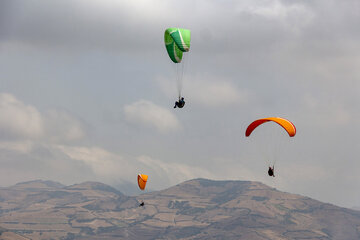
196	209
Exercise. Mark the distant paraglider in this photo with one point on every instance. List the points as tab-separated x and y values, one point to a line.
142	179
284	123
180	103
271	171
177	42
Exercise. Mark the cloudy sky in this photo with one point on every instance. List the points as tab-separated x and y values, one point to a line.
87	90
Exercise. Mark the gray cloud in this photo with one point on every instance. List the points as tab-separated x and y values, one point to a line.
207	90
61	126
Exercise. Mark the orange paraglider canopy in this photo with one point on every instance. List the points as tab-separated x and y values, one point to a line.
142	179
286	124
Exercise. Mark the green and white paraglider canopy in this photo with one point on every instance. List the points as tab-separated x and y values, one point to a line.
177	42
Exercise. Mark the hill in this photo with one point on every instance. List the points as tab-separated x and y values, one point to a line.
195	209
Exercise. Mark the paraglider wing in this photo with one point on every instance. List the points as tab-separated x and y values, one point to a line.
177	41
286	124
142	179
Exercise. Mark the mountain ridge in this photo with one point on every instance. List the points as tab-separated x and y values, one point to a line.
195	209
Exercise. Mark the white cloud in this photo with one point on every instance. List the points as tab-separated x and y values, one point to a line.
151	115
112	167
24	122
104	164
18	119
55	129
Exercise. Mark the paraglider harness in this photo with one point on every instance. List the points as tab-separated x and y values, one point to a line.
180	103
271	171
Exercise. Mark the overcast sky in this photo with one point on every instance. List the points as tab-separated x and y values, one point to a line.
87	93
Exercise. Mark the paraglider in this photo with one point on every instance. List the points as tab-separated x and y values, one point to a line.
177	42
142	179
271	171
180	103
288	126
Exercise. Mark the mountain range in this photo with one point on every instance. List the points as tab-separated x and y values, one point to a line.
195	209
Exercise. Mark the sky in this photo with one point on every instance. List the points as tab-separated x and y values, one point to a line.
87	93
